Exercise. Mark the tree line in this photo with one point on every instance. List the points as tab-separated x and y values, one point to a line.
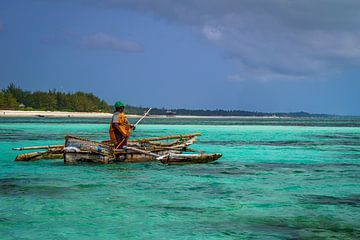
14	97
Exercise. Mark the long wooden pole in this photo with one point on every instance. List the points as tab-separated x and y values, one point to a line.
166	137
138	121
39	147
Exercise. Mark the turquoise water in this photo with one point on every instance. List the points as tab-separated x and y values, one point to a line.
277	179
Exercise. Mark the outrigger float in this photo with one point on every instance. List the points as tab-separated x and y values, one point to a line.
75	150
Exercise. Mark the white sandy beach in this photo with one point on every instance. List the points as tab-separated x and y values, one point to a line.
18	113
15	113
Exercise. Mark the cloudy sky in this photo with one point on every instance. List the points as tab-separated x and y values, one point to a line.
264	55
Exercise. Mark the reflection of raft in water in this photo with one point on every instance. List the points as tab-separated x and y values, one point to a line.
143	150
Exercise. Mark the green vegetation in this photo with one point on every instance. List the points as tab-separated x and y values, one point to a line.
12	97
7	100
220	112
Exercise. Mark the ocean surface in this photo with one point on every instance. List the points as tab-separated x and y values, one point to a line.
277	179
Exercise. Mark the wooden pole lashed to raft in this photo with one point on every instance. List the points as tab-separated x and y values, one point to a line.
33	156
39	147
137	140
166	137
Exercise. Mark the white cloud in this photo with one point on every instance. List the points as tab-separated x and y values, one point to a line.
262	75
107	41
274	39
212	33
345	45
235	78
102	41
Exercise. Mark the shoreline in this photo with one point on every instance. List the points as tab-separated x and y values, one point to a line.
60	114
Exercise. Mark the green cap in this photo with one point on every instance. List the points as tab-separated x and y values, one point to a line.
119	104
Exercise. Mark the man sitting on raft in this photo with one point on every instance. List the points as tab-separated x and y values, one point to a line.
120	127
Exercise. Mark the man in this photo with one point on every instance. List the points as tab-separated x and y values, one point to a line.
119	127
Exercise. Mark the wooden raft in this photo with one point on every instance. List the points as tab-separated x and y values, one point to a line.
142	150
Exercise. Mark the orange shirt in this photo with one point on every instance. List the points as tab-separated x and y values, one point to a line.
124	125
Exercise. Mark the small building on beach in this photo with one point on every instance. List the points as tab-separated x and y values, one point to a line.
170	113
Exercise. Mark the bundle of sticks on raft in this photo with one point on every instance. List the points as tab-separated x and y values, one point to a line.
166	149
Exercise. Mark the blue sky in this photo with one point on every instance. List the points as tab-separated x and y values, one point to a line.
272	55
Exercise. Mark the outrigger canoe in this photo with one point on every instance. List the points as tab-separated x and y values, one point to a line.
78	150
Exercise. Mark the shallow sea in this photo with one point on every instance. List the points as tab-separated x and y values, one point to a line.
277	179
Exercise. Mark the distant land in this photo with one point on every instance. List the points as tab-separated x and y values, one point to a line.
15	98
